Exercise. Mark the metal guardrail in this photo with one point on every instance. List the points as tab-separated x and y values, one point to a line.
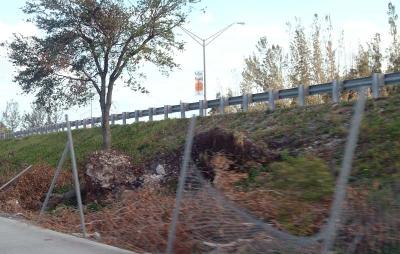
334	88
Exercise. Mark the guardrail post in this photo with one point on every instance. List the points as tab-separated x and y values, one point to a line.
137	115
377	82
301	100
183	110
150	114
77	124
205	107
84	123
336	89
166	111
222	105
271	99
112	119
124	116
201	108
245	103
92	122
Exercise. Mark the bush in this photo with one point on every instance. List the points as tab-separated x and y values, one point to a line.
307	178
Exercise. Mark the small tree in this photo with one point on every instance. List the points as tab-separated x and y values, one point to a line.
375	53
11	115
394	48
264	70
317	59
299	65
87	45
3	128
40	116
330	59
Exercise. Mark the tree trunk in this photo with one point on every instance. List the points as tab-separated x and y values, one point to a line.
105	126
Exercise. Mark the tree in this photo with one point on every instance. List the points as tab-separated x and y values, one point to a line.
330	59
87	45
40	116
11	115
299	68
264	70
375	54
394	48
3	128
363	66
317	60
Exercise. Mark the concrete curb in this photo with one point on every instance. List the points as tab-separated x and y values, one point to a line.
21	238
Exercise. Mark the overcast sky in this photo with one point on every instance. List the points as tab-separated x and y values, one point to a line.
359	19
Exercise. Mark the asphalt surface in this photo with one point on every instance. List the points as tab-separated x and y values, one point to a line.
21	238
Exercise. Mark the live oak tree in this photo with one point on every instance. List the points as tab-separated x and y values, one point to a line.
85	46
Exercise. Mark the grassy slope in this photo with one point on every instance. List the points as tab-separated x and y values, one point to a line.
311	137
319	131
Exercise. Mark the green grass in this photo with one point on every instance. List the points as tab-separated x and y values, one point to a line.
141	141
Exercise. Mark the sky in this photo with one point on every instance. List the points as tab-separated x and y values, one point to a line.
359	19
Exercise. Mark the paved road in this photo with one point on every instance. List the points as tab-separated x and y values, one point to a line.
20	238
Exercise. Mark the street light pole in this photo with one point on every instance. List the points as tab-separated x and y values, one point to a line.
204	42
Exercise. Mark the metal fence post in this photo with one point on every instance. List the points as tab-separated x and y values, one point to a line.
302	96
183	110
84	123
271	99
93	122
222	105
377	82
76	124
336	89
53	182
124	114
75	175
137	115
201	108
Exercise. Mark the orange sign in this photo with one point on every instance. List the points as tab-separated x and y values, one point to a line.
199	85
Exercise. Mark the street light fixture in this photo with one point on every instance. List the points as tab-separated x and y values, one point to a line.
204	42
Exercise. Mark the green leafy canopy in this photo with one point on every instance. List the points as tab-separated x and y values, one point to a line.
84	46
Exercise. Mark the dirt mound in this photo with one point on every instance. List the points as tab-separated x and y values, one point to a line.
110	172
29	190
238	148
